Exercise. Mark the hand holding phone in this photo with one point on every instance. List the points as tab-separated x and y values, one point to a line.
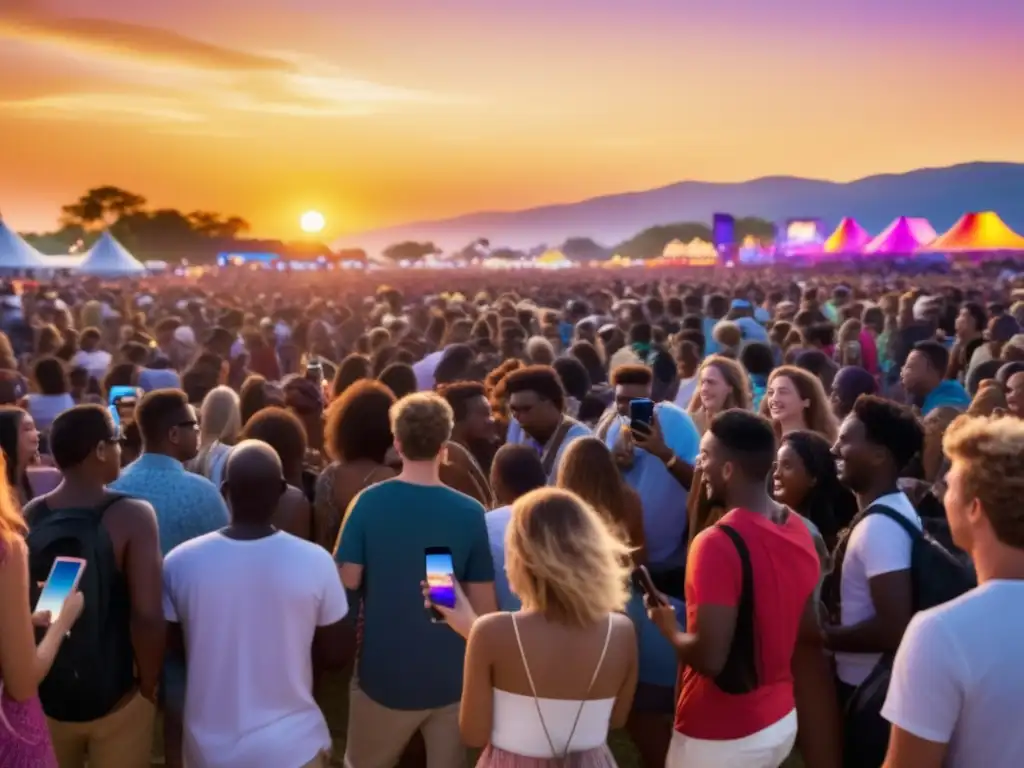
644	582
641	414
440	580
60	599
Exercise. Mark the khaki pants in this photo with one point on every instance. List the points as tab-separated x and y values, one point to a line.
122	739
377	735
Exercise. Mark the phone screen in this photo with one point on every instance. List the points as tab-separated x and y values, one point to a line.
61	582
122	403
641	414
441	577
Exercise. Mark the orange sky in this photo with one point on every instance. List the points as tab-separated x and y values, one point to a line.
410	110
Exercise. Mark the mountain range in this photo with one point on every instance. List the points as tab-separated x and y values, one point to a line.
941	195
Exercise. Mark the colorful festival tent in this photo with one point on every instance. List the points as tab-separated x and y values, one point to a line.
903	237
553	258
16	254
849	237
976	233
696	253
108	258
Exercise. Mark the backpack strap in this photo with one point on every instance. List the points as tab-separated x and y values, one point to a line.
901	520
830	592
739	675
551	450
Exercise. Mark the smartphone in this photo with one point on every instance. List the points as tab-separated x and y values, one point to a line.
641	414
644	582
62	581
315	371
440	579
122	401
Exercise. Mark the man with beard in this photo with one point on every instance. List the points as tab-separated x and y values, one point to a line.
750	586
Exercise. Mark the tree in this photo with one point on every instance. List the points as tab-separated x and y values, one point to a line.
101	207
474	250
650	243
411	250
509	254
212	224
762	229
584	249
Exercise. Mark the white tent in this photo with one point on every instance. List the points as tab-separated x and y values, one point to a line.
15	253
108	258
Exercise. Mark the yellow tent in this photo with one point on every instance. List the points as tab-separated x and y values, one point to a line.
551	258
976	232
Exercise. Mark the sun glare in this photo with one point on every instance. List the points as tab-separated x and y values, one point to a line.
312	222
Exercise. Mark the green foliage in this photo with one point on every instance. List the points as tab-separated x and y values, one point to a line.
652	241
163	233
410	250
584	249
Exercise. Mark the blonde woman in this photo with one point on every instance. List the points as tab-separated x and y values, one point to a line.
721	384
544	685
24	738
796	400
220	423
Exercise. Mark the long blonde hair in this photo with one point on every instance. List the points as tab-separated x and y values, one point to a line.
220	421
563	560
818	416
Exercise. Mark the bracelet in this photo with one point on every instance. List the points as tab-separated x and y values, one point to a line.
671	462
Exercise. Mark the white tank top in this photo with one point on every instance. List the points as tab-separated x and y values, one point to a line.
530	726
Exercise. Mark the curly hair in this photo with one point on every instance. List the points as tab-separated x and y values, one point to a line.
991	454
357	423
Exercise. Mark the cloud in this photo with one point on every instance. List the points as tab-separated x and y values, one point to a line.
104	107
150	74
115	38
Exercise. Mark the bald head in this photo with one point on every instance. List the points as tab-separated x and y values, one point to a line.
253	481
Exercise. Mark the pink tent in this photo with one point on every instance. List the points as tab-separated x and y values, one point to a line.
903	237
849	237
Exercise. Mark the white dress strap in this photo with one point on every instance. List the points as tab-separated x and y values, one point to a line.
583	701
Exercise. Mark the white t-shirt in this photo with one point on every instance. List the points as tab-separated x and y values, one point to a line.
685	394
958	680
96	362
425	370
877	545
248	610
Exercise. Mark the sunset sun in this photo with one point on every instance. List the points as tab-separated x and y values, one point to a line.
312	222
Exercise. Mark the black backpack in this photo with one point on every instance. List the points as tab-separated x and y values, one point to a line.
95	666
936	577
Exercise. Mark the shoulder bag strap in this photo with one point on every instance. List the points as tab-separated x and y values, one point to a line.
547	460
745	628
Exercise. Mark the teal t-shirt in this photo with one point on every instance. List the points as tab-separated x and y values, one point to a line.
407	662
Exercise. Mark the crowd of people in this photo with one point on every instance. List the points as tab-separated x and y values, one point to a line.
739	520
